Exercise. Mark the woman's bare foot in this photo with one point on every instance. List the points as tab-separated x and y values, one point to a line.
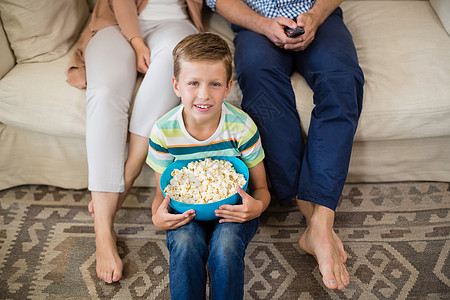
326	247
109	266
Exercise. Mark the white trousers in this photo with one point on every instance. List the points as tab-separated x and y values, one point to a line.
111	78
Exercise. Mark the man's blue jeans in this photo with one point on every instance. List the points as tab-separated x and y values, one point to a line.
316	170
189	253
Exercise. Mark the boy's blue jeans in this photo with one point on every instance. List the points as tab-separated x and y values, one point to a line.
220	245
316	170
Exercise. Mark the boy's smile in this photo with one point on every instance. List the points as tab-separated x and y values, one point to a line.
202	86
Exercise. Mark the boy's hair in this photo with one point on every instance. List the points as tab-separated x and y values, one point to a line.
204	46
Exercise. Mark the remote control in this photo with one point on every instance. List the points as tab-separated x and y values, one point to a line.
294	32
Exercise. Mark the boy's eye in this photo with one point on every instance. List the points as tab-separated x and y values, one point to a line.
193	83
215	84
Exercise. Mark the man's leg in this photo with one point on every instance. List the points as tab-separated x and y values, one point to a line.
330	66
263	72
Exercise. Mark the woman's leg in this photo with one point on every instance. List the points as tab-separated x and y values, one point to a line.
155	96
188	250
111	76
226	258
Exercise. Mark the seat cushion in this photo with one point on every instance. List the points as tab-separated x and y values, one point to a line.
36	97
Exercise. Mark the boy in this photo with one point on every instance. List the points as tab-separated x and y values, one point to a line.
204	126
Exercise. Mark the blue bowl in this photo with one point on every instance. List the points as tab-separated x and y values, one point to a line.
204	212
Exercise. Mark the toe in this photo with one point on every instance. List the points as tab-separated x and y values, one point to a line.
116	275
330	282
328	276
108	277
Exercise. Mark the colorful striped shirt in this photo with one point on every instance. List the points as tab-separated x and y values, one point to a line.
236	135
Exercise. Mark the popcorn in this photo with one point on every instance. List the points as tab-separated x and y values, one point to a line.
204	181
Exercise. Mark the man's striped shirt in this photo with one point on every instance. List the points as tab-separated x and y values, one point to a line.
236	135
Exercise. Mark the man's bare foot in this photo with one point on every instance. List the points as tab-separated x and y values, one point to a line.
328	250
340	247
109	266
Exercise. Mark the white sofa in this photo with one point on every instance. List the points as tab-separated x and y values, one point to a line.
404	130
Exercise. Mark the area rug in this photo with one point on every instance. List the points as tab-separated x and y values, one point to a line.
397	236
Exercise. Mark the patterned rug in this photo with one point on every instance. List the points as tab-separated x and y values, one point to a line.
397	236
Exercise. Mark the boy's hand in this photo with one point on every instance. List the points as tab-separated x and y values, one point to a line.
248	210
167	221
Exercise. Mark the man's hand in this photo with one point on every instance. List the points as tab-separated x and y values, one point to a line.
248	210
300	43
273	29
167	221
142	54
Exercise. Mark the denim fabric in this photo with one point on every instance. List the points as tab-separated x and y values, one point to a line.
221	246
315	169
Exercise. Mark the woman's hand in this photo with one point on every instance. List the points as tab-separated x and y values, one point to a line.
142	54
248	210
167	221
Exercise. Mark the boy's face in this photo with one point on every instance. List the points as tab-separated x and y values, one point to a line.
202	86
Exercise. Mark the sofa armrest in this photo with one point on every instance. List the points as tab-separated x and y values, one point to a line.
8	60
442	9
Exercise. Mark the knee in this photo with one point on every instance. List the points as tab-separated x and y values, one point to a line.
186	244
106	100
340	90
227	249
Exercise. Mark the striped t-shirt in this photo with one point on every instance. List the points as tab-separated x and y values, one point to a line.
236	135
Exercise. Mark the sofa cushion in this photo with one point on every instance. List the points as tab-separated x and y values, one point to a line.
42	30
406	62
42	100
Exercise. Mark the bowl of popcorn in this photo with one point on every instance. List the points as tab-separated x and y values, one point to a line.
204	184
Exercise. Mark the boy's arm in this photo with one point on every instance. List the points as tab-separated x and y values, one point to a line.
160	214
252	205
